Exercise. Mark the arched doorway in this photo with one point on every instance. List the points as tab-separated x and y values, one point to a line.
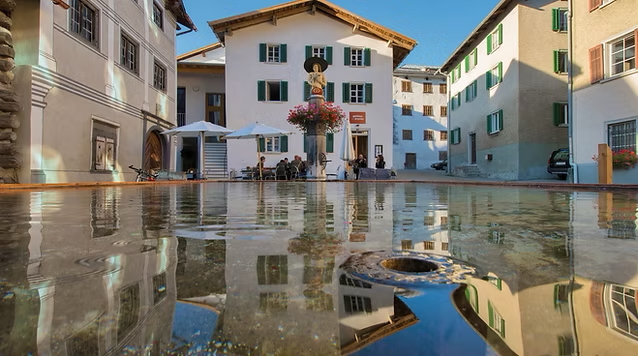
153	151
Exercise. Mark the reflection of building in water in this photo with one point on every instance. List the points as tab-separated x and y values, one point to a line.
420	221
91	295
368	312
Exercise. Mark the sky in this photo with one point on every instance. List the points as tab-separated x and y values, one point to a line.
439	27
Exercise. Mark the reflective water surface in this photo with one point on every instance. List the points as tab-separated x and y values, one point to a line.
266	268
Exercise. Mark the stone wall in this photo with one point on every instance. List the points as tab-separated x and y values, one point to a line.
9	105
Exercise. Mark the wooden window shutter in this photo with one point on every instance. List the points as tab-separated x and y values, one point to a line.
283	143
345	88
329	55
306	91
283	90
500	120
556	61
261	90
305	143
330	138
262	144
596	69
283	53
489	43
262	52
368	93
594	4
346	56
330	92
555	19
556	112
308	52
367	57
500	33
489	124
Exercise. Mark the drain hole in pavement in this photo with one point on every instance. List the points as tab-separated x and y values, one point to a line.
412	265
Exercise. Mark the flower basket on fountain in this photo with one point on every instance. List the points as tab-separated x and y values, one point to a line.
327	116
622	159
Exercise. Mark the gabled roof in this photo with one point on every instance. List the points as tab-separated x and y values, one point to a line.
199	51
476	33
418	70
178	9
401	44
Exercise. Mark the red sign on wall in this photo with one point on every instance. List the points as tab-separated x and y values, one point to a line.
357	117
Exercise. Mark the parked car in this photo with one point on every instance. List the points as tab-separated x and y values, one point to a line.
558	163
440	165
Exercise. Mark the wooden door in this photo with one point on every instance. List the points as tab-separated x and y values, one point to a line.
410	161
153	151
473	148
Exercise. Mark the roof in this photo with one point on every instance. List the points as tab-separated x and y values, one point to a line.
178	9
482	27
197	52
416	69
401	44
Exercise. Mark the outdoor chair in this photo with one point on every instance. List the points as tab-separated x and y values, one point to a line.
280	173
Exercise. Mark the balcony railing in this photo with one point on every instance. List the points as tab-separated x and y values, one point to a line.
181	118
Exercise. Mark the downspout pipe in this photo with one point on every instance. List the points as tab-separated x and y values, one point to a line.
570	90
449	116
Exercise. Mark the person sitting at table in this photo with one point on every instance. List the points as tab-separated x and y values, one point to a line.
288	168
280	170
380	164
359	163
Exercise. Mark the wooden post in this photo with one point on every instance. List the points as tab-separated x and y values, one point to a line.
604	164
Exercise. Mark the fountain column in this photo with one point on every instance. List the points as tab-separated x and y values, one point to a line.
316	136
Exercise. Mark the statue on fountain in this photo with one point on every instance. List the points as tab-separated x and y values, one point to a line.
315	66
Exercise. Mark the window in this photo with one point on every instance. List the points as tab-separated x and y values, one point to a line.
406	86
443	111
406	110
427	88
351	282
273	53
356	57
443	154
622	136
622	302
559	20
471	60
159	288
428	245
495	39
622	54
455	136
181	106
129	54
215	109
406	244
428	110
273	301
277	144
560	61
560	114
319	52
158	15
494	76
428	220
495	122
83	21
496	321
357	93
428	135
159	76
272	144
104	146
356	304
272	270
443	136
471	91
456	73
129	312
407	135
272	90
455	102
442	88
594	4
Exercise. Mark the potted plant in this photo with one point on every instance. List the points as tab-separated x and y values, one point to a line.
624	159
326	117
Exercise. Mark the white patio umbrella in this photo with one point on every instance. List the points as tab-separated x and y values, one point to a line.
257	131
199	129
347	148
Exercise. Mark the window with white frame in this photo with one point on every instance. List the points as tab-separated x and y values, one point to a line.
496	38
356	93
83	20
158	15
621	309
622	136
273	144
319	51
357	304
104	146
496	321
622	54
471	60
562	20
494	76
129	54
273	53
495	122
356	57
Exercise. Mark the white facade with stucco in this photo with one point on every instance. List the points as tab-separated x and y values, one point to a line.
420	108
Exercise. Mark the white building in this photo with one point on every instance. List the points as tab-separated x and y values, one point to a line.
265	76
508	92
97	81
605	84
420	116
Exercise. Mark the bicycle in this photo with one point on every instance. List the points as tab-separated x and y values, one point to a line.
143	176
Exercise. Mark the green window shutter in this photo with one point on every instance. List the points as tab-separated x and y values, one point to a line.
555	16
366	57
452	103
475	57
283	90
261	90
330	92
467	90
556	69
308	52
262	144
305	143
489	124
467	63
345	88
262	52
557	112
500	33
306	91
488	79
368	93
452	77
330	142
283	53
329	55
500	72
503	328
283	144
489	44
458	69
490	312
500	127
346	56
